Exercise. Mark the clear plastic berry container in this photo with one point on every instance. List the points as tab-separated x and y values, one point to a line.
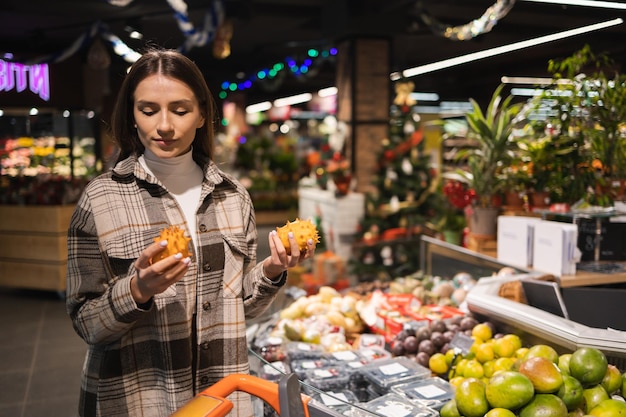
303	350
384	373
394	405
432	392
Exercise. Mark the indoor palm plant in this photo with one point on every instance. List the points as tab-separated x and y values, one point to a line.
491	131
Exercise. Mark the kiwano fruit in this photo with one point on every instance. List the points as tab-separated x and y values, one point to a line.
303	230
177	242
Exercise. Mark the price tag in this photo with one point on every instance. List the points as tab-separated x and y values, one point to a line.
463	342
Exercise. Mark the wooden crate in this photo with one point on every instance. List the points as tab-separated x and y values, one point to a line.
483	244
33	246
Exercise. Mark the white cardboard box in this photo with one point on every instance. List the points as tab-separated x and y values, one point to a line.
515	240
555	248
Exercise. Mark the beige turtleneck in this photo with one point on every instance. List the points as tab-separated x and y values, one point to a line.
182	177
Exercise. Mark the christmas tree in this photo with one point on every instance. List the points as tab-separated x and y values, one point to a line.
405	201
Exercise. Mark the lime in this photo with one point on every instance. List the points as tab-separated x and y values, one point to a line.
470	398
509	389
544	405
609	408
593	396
571	392
543	373
624	384
588	365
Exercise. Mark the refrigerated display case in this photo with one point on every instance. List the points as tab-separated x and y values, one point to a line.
46	158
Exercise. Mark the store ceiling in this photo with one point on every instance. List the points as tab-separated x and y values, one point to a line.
268	31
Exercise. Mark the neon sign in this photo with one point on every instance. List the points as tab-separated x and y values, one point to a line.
20	76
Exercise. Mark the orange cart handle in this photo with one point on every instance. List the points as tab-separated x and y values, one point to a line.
212	401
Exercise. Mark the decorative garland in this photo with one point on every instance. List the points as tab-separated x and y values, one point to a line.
270	79
472	29
212	21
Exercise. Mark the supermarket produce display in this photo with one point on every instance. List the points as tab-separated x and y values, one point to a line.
421	345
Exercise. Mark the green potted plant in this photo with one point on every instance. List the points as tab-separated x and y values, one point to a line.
491	130
588	97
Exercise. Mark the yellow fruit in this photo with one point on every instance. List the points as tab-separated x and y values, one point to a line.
593	396
437	363
302	230
490	368
500	412
542	351
482	332
588	365
452	357
521	352
504	364
459	369
177	242
509	389
470	398
609	408
544	405
612	380
506	346
571	392
473	369
563	363
484	352
624	384
543	373
456	381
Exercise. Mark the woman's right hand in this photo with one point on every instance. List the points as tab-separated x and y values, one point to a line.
154	278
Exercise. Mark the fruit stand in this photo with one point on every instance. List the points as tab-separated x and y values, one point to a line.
442	343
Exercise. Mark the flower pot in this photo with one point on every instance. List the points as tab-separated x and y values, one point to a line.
514	200
540	199
452	236
484	221
342	184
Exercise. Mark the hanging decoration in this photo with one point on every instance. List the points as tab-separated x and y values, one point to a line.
221	43
476	27
213	19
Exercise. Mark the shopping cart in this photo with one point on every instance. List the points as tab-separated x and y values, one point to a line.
284	397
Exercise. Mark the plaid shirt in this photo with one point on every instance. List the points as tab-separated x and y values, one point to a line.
150	361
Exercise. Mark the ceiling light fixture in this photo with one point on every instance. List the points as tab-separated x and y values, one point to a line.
446	63
327	92
588	3
258	107
297	99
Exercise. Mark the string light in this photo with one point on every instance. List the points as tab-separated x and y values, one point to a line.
276	70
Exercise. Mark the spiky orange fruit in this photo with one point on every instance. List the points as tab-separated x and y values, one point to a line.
177	242
303	230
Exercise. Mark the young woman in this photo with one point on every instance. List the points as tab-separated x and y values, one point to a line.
160	332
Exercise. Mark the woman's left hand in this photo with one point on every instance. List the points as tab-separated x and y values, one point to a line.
279	260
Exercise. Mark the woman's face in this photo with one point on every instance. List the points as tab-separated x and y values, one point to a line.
167	115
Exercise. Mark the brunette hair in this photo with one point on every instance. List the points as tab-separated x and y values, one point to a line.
171	64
